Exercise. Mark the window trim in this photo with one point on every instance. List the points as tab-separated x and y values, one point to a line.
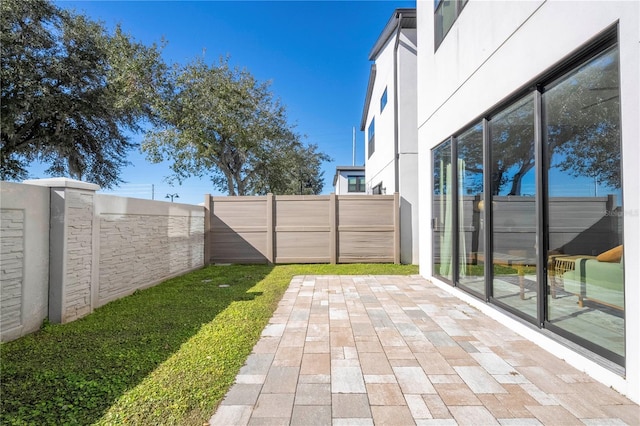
459	6
383	100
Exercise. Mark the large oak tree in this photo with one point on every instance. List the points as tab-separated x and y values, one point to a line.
222	123
71	92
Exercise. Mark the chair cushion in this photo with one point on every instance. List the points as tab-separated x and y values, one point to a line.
614	255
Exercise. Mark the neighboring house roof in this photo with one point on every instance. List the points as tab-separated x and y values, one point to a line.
346	169
367	100
401	18
404	17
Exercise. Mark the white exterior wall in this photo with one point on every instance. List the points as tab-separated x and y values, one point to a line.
493	50
408	146
342	185
380	167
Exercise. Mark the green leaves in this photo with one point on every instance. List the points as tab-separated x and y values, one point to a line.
71	91
223	123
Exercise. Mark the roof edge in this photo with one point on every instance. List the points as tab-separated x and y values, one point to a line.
391	27
367	99
347	169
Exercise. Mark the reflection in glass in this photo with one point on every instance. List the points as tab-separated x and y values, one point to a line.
442	214
585	264
514	207
470	209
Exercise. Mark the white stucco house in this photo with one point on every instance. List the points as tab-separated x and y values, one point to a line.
389	122
349	180
528	140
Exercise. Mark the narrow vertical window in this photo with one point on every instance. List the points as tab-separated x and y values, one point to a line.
371	133
383	100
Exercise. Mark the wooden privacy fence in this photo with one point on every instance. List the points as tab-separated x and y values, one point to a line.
302	229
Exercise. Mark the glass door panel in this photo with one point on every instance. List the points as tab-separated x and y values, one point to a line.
471	251
442	212
513	205
583	171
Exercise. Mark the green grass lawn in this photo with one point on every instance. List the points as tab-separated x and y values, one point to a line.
165	355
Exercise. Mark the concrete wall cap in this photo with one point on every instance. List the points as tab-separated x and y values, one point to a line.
61	182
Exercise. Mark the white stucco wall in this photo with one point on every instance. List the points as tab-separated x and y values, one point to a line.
380	167
24	258
342	184
497	48
408	147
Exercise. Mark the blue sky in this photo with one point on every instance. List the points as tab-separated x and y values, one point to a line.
314	53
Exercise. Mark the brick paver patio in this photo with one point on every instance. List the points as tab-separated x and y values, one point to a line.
365	350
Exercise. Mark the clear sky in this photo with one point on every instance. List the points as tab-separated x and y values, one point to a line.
315	53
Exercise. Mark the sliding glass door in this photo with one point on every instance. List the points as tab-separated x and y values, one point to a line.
514	209
442	212
585	275
471	249
527	204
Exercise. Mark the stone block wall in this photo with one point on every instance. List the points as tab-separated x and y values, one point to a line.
66	250
24	258
11	266
79	255
143	242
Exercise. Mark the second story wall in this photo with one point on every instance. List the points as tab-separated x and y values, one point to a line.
391	102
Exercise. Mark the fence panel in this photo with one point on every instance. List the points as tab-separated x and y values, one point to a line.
367	229
303	229
239	230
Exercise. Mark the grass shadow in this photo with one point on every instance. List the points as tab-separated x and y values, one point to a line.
73	373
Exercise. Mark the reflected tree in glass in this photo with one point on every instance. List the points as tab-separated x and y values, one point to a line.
582	129
513	205
471	256
583	121
512	135
442	211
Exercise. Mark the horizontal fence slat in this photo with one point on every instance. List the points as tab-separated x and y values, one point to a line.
357	228
284	228
352	259
282	259
240	229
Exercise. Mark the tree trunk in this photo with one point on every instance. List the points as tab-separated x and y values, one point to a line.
230	186
516	184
